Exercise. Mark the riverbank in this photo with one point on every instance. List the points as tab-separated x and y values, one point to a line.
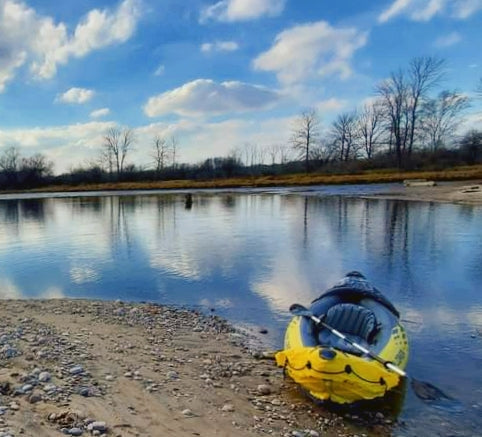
467	173
462	192
81	367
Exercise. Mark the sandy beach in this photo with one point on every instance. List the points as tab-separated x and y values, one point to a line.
461	192
77	367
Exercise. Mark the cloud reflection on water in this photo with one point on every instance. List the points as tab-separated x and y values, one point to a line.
250	256
277	249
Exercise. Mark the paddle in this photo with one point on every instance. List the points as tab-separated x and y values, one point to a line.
423	390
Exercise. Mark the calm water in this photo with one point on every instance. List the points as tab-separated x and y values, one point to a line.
249	255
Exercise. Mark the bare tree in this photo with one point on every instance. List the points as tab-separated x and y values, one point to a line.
236	153
471	146
394	93
403	94
284	153
323	152
173	146
251	154
370	128
273	150
441	117
9	164
305	134
37	166
117	144
261	155
9	160
344	135
160	154
424	73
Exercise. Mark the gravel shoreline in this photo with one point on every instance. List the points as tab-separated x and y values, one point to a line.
81	367
464	193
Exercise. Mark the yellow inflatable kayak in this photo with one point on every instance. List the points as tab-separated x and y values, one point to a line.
330	368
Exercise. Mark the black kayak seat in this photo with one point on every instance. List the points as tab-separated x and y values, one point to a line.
358	323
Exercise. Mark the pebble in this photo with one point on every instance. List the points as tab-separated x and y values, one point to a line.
26	388
86	391
97	426
9	352
44	376
264	389
34	398
75	431
172	374
187	412
75	370
228	408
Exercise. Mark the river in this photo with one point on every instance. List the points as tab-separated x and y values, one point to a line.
249	254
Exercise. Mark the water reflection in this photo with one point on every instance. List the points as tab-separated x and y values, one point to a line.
249	256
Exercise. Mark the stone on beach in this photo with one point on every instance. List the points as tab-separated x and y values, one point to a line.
167	359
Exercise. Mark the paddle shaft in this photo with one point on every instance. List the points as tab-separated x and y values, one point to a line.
387	364
423	390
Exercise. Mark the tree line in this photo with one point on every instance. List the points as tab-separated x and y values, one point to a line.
409	123
403	119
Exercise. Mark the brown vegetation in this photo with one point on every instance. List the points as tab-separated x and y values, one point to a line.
366	177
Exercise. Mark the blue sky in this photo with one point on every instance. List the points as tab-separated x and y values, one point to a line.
216	74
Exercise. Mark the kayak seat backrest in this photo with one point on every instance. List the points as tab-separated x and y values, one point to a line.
352	319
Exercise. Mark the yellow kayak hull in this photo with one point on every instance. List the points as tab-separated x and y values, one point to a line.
341	377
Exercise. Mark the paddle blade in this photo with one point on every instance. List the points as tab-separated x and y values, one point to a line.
300	310
428	392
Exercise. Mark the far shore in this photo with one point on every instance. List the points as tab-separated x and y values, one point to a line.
84	367
466	173
458	185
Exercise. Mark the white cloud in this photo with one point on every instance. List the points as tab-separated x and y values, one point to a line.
206	97
160	70
82	274
219	46
9	290
471	121
76	95
314	49
64	145
80	144
425	10
396	8
27	37
448	40
199	139
466	8
242	10
102	112
330	105
428	10
52	293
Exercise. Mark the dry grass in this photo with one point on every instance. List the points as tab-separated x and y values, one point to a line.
368	177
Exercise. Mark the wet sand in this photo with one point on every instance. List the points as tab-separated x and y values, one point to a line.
78	367
466	192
